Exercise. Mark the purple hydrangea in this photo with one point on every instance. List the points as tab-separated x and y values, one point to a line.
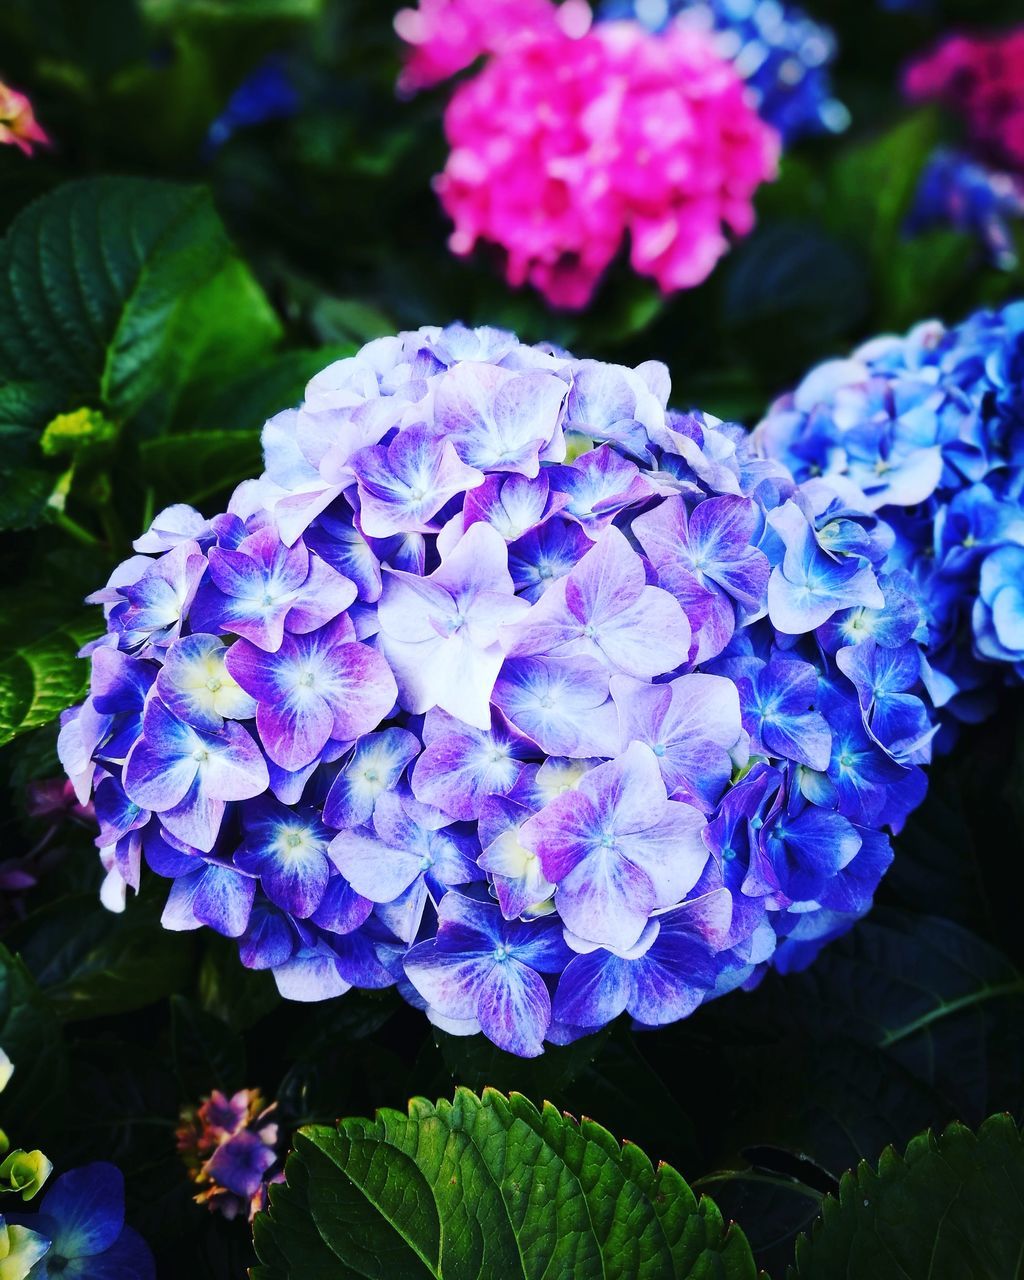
509	686
927	431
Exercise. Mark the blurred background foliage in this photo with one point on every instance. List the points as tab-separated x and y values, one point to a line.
179	288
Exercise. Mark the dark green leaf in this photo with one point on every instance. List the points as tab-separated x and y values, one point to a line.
207	1053
477	1063
235	995
197	464
952	1208
873	182
31	1037
244	402
115	291
487	1187
91	962
39	679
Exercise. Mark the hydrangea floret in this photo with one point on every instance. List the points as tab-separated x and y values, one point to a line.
512	687
927	430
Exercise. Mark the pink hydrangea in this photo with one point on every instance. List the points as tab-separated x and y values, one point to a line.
446	36
18	125
983	80
567	141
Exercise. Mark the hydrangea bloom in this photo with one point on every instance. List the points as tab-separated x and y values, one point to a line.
956	190
228	1147
537	733
782	54
18	125
928	431
982	80
567	142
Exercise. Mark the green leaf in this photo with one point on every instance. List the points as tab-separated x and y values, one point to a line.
39	678
872	184
115	292
24	497
244	403
231	11
942	1002
235	995
952	1208
487	1186
477	1063
196	464
791	289
90	962
207	1053
31	1037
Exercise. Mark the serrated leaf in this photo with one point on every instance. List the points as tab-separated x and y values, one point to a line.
116	291
951	1208
90	278
487	1186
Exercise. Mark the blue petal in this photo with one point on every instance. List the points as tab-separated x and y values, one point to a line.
87	1205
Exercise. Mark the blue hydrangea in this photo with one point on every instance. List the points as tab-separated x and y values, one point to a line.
959	192
512	687
79	1231
928	431
782	53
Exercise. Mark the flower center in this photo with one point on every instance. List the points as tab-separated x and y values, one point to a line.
213	684
307	679
501	951
200	755
659	748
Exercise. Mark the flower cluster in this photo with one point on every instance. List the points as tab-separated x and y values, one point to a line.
928	431
782	54
18	125
573	138
78	1232
566	144
982	80
956	190
228	1146
510	686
